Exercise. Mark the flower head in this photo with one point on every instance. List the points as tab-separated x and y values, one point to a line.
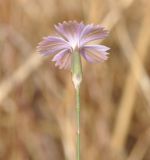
72	36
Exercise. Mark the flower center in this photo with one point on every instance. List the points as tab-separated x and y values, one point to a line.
74	43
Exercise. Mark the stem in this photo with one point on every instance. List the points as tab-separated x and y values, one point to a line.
78	122
77	79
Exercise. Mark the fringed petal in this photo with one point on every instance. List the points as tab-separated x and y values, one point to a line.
94	53
91	33
52	45
63	60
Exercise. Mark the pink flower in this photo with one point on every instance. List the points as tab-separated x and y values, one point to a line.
73	36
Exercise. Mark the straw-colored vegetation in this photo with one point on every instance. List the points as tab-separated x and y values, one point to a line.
37	105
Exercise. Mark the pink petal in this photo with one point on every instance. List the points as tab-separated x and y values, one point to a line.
64	61
69	30
52	45
94	53
91	33
60	55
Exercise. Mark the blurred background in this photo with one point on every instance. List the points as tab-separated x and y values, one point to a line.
37	104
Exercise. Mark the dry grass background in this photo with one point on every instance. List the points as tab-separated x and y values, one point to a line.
37	113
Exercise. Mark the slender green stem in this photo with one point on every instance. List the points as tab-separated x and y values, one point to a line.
76	69
78	122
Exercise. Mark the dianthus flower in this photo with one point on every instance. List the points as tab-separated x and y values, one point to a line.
72	37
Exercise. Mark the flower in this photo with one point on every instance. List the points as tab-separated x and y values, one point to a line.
72	36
